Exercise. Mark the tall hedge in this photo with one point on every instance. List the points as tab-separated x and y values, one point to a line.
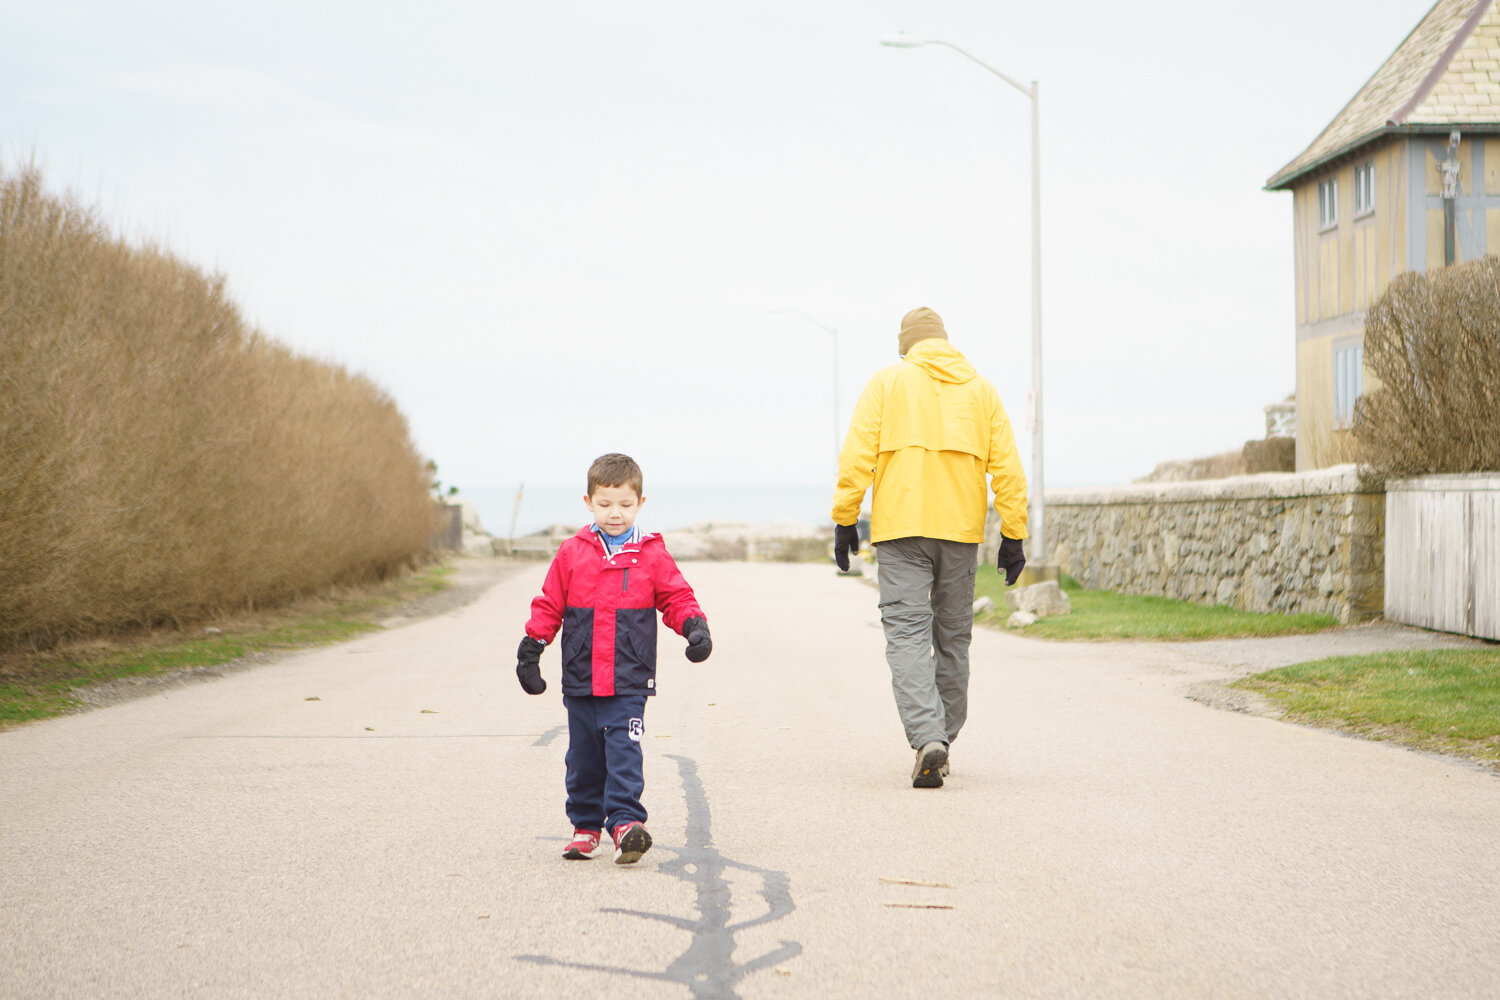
1433	341
159	459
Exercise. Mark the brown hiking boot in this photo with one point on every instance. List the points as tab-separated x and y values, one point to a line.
932	761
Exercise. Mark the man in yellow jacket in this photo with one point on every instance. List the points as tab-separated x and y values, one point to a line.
926	432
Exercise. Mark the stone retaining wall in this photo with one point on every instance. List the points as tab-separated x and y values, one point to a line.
1282	542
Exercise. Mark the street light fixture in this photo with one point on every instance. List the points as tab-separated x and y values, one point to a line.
1038	506
835	335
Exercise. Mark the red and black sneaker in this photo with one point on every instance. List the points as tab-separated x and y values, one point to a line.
585	843
631	841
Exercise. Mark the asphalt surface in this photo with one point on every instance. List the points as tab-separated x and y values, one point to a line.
384	819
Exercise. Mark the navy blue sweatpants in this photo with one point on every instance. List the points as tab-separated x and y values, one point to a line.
605	782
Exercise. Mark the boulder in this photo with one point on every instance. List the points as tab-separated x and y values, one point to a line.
1020	619
780	541
685	545
983	606
1043	599
781	530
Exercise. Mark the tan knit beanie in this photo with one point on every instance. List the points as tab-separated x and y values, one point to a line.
920	324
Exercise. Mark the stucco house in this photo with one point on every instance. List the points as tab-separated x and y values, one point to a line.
1406	177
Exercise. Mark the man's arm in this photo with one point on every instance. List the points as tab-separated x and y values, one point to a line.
1006	477
857	459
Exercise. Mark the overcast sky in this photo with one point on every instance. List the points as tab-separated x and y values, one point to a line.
551	230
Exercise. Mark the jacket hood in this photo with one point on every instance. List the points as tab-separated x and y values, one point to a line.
941	360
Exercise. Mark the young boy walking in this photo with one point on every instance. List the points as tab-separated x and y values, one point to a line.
604	588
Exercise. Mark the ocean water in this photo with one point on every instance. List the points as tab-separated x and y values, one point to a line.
667	508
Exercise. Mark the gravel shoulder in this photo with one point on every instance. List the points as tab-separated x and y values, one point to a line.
470	578
1251	656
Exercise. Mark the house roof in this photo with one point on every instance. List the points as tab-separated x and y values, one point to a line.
1446	73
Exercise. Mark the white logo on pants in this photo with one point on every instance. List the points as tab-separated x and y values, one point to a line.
637	728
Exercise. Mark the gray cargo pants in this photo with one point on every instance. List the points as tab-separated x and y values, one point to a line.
927	609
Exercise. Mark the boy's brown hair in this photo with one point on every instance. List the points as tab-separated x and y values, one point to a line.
615	469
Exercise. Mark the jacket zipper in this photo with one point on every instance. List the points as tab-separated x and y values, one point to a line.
609	557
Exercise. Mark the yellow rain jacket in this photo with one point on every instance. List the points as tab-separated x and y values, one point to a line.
926	431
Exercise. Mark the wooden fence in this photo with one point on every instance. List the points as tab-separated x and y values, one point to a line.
1442	553
448	535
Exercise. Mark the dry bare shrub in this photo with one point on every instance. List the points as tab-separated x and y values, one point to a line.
159	460
1220	466
1274	454
1433	341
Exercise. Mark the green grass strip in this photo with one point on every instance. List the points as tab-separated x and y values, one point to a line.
1446	700
29	702
1101	616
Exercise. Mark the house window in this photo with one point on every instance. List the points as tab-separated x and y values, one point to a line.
1328	203
1348	381
1364	188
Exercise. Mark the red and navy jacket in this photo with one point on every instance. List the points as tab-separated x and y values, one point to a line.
606	606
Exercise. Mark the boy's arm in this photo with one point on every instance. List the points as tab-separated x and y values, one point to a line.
679	608
547	608
546	618
674	597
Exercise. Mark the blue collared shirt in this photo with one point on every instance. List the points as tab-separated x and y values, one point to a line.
614	543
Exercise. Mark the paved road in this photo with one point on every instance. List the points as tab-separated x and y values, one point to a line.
384	819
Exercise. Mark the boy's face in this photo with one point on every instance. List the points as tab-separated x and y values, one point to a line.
614	508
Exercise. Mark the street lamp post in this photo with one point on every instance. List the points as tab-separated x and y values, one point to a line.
832	332
1038	506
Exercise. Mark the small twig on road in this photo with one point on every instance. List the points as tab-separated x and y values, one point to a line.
912	881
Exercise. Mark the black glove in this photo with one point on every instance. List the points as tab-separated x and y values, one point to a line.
845	540
528	666
1011	559
695	631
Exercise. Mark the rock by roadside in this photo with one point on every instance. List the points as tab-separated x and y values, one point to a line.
1040	600
777	541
